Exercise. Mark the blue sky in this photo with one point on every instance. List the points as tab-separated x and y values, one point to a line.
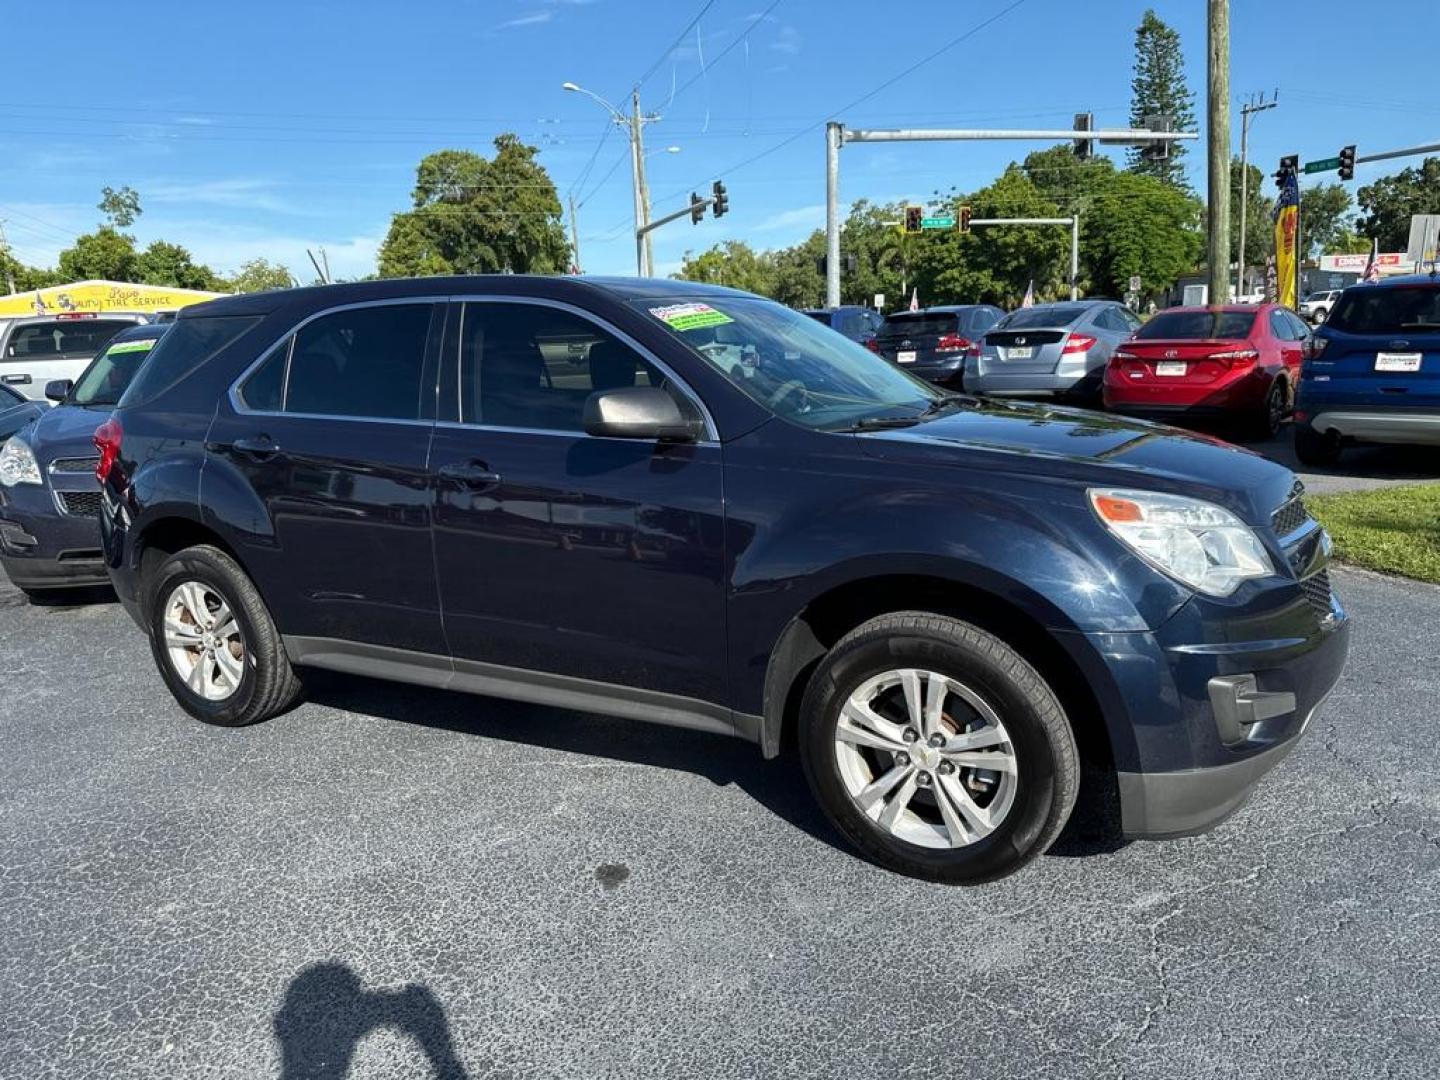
259	129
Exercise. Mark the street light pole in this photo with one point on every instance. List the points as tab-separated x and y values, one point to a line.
633	123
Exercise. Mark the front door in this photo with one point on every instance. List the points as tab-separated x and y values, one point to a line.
556	552
330	434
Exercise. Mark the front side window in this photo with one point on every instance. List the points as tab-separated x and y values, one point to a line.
788	363
534	366
360	362
111	372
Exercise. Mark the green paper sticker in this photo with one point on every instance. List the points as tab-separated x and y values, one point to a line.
143	345
690	316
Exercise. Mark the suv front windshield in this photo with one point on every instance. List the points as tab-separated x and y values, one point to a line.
110	373
790	363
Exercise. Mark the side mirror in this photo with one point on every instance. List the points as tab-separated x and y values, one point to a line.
57	390
639	412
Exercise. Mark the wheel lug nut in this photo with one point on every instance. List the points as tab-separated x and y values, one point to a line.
902	759
937	740
923	779
910	735
946	768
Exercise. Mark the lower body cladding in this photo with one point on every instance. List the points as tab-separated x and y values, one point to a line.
1214	701
42	547
1415	427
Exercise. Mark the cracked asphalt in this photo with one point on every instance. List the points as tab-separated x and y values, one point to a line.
389	882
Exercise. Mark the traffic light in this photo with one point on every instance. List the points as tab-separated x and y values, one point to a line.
914	216
1156	149
1084	148
1289	166
963	219
1347	163
722	201
697	208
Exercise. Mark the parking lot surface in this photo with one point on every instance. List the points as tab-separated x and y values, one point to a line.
419	884
1361	468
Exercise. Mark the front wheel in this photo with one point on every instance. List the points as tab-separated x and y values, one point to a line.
937	750
214	641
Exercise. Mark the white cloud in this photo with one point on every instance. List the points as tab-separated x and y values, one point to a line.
224	248
786	40
535	18
242	192
801	216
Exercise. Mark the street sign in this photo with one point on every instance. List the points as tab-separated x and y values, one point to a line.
1135	283
879	301
944	221
1328	164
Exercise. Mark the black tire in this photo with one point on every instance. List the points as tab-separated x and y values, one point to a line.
268	685
1267	422
1314	448
1048	770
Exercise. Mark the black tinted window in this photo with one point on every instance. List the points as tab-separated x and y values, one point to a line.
1197	325
62	337
183	349
921	323
1046	315
264	390
1386	309
366	361
531	366
820	316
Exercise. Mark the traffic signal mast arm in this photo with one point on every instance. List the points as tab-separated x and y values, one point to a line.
719	199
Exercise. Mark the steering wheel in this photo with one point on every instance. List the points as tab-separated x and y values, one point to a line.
791	386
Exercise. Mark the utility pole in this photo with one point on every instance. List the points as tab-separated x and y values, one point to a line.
642	187
574	232
1218	94
5	254
1250	108
633	123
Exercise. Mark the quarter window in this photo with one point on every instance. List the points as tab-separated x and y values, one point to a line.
365	361
533	366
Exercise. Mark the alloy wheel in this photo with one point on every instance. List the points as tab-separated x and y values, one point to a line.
926	758
203	641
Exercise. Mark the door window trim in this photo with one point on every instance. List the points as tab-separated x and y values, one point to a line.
712	437
237	401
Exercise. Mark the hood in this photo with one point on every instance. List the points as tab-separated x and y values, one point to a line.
65	431
1091	448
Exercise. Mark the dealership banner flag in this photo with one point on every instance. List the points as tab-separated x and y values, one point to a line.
1287	225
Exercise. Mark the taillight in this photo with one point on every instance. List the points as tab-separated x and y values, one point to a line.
107	441
1313	347
1236	358
1078	343
871	344
952	343
973	352
1123	354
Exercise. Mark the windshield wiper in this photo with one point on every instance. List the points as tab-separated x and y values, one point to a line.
877	423
944	402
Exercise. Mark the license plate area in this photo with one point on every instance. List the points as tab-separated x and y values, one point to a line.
905	356
1020	352
1171	367
1398	361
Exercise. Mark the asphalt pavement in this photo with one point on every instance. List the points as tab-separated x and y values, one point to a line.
1361	468
421	884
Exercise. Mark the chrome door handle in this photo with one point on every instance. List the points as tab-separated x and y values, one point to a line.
473	474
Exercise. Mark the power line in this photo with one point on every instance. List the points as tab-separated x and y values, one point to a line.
674	44
762	17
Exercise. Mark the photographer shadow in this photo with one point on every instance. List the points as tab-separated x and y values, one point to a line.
327	1012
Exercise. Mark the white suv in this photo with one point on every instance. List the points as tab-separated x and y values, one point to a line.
1316	307
35	350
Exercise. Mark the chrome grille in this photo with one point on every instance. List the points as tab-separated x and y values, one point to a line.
80	503
74	465
1316	590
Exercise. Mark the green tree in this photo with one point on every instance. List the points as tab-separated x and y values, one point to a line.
1325	217
734	264
105	253
1158	88
1388	203
120	207
472	215
164	263
796	278
260	275
1259	229
1141	225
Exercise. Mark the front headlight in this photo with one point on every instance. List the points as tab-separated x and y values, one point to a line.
1198	543
18	464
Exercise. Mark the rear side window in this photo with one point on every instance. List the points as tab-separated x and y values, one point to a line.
1197	325
1387	309
922	324
63	337
182	350
365	362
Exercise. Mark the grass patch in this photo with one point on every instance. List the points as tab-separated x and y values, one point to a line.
1395	530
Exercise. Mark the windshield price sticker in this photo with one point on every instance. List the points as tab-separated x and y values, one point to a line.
144	345
690	316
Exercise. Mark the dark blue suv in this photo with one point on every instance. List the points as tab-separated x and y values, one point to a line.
689	505
1372	371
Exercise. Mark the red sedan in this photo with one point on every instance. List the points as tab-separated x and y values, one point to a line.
1239	362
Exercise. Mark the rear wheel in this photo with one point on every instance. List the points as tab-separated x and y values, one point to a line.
1266	423
1316	448
937	750
214	642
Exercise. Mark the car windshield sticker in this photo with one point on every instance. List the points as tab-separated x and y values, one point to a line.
690	316
144	345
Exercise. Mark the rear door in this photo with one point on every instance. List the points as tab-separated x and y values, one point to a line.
330	433
1382	347
558	552
58	348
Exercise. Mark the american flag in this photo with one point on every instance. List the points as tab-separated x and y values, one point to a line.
1372	266
915	300
1029	298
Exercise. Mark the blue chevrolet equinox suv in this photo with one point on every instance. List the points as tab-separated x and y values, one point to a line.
685	504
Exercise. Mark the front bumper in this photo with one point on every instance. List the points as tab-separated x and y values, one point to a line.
42	548
1405	428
